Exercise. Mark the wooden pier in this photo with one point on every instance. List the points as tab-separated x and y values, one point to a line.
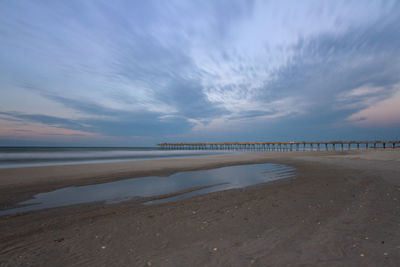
283	146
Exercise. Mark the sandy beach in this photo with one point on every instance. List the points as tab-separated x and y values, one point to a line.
341	209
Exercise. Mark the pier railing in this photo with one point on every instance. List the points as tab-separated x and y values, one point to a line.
283	146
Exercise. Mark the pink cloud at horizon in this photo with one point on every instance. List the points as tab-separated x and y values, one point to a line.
33	131
37	132
383	113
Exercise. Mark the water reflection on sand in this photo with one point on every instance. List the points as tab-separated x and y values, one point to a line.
186	183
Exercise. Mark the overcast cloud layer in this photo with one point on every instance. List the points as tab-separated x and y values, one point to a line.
140	72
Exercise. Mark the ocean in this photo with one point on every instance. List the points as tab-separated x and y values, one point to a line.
17	157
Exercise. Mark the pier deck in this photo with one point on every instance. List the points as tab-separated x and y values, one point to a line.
282	146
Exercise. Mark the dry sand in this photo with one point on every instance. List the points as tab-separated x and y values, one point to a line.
342	209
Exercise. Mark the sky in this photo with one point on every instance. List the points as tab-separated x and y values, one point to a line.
136	73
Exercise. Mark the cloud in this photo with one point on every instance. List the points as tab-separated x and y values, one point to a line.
44	119
329	77
380	113
193	69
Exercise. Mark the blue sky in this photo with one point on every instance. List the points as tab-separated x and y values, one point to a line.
136	73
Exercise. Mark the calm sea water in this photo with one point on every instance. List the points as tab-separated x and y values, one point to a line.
16	157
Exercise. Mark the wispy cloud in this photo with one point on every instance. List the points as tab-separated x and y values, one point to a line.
164	69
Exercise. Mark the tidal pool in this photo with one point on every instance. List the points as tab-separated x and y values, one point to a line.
180	185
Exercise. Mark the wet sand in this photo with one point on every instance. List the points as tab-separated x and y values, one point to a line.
341	209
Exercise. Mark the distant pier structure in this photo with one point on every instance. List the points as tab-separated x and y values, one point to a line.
283	146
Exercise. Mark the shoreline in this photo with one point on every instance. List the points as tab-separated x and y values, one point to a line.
339	206
20	184
29	181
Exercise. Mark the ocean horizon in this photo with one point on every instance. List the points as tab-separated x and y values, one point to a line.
32	156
